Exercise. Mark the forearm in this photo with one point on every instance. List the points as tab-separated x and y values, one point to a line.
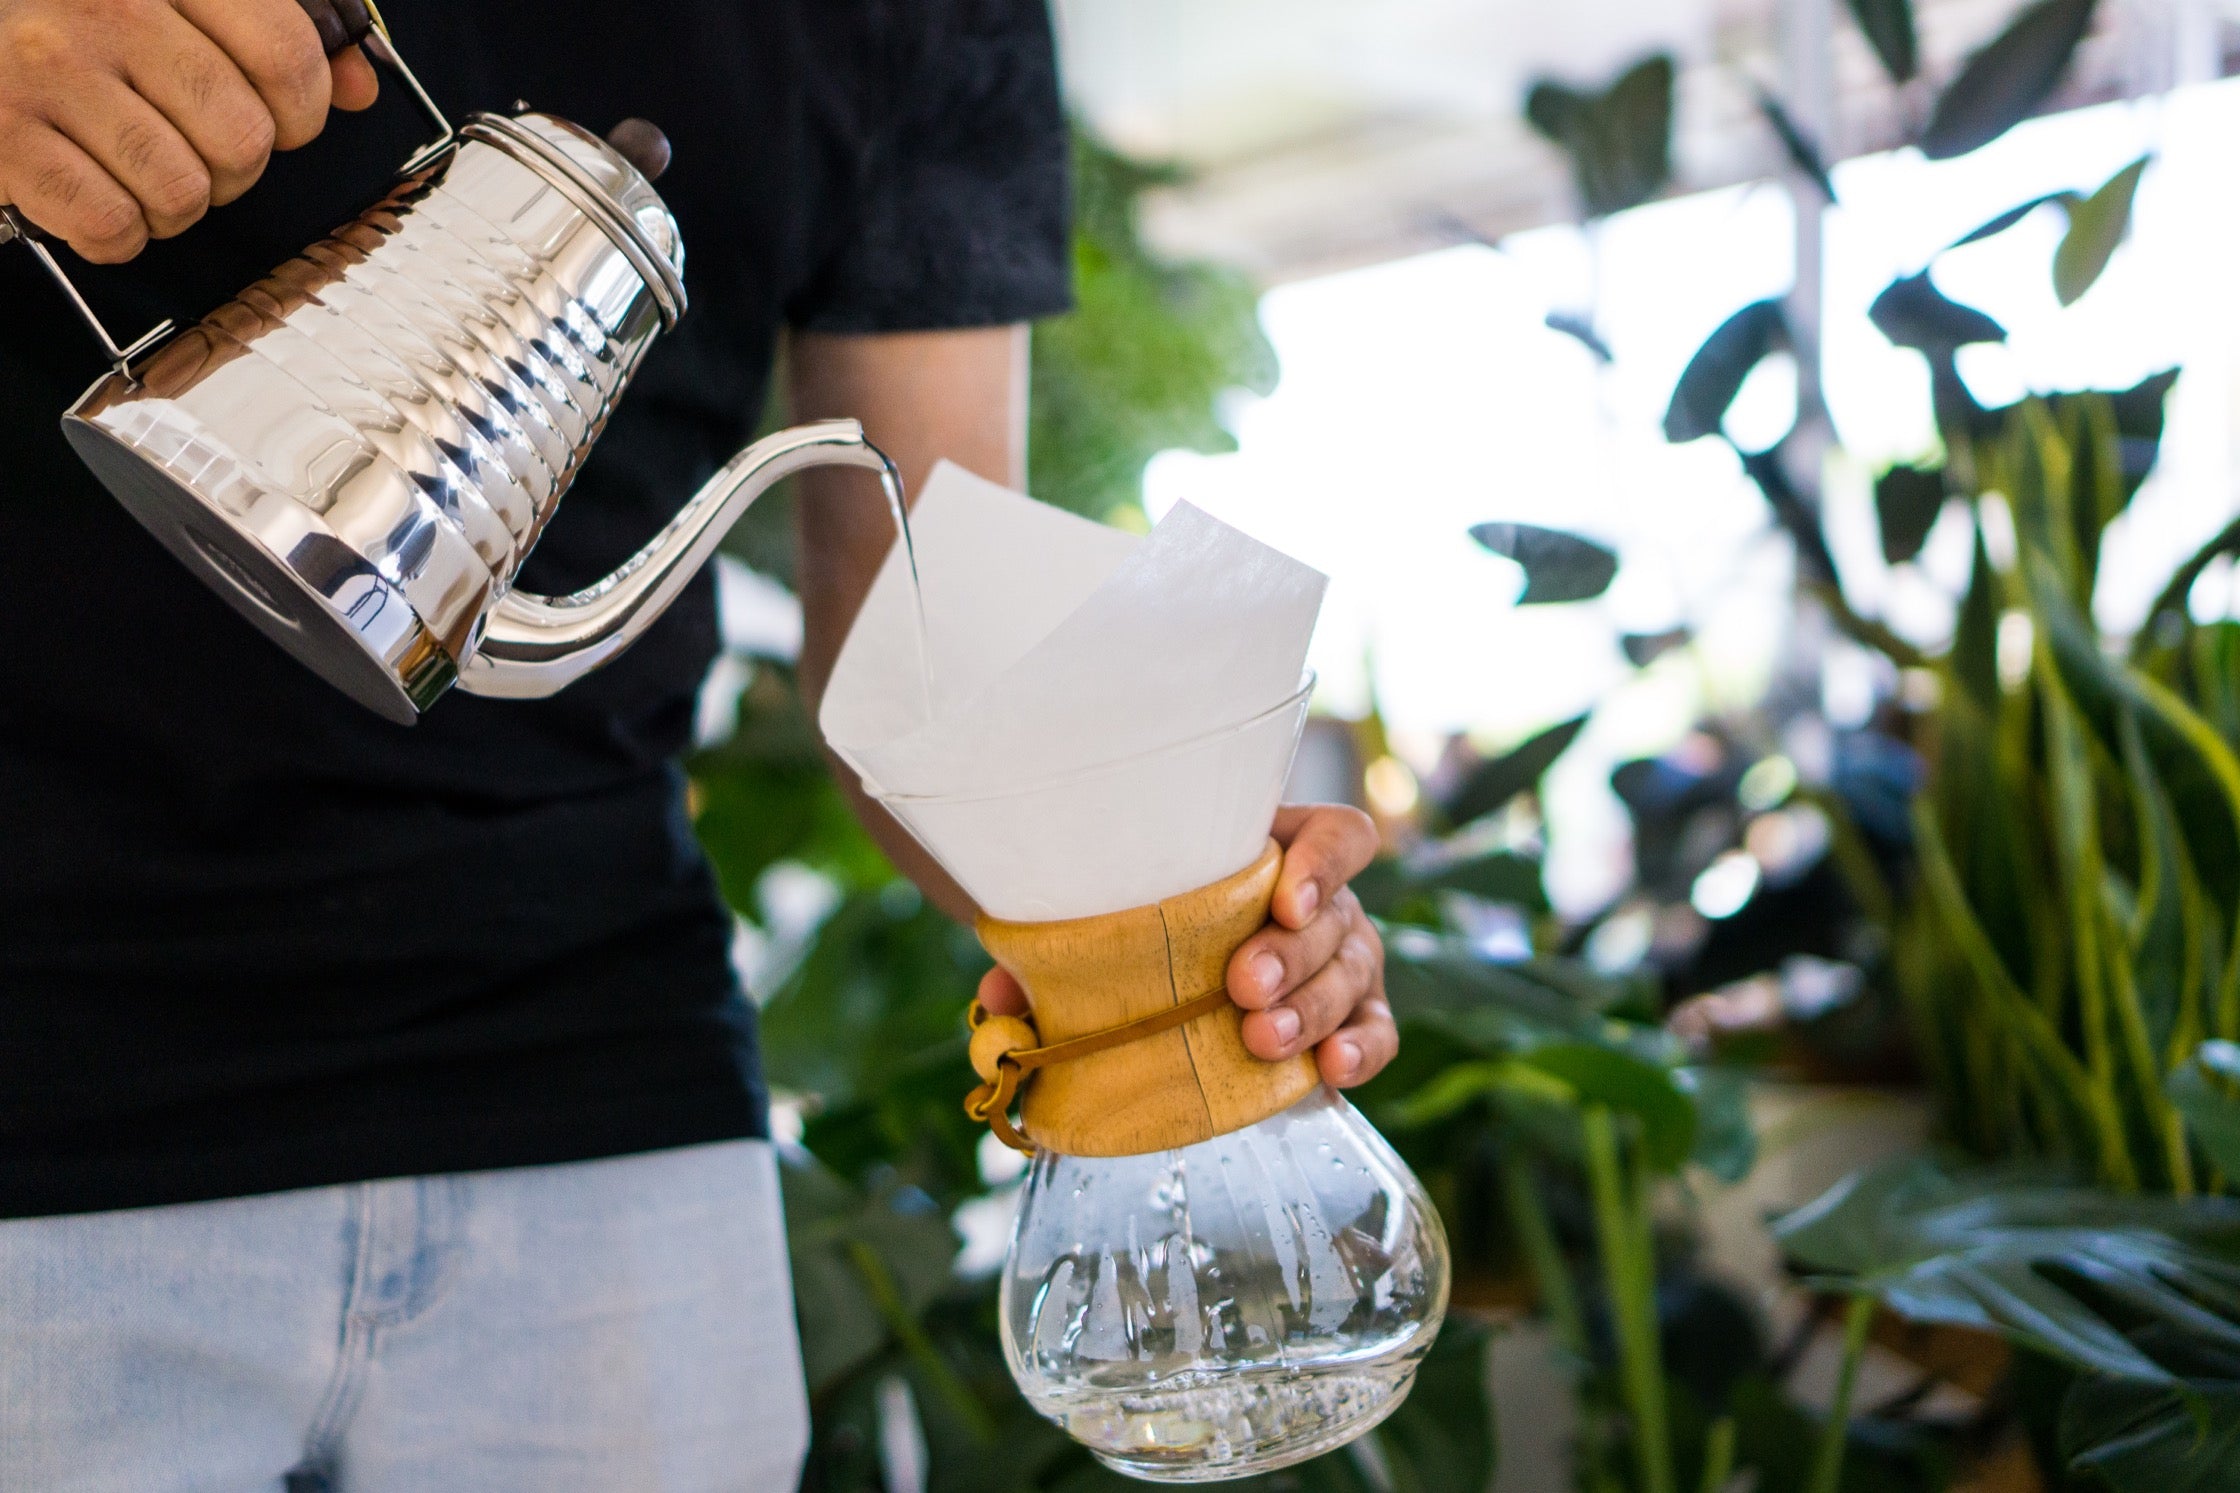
921	396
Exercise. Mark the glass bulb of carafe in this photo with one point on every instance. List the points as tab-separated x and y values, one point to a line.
1228	1308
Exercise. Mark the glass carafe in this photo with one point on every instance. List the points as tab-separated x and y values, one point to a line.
1229	1307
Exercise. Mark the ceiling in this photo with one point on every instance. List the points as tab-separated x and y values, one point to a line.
1322	134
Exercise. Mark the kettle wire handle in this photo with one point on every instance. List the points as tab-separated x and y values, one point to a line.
342	23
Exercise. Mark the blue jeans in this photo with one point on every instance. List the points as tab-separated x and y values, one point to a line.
614	1326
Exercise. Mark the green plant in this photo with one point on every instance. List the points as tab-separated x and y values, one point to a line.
2066	928
1140	365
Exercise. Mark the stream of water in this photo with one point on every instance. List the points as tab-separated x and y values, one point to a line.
891	481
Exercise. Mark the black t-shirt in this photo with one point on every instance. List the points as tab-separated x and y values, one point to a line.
253	937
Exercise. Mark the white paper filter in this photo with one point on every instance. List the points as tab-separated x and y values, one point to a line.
1113	716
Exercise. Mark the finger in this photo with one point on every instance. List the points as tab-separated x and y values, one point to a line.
1358	1051
354	83
207	100
143	153
1325	846
1001	995
64	191
277	49
1321	1005
1276	960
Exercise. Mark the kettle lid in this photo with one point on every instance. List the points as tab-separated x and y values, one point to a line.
595	177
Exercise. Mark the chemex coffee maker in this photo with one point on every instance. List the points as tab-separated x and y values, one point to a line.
359	450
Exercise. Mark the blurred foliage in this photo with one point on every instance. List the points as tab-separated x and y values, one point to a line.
1618	139
1141	364
2043	866
2136	1300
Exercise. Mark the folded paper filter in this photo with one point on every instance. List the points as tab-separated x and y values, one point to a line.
1097	720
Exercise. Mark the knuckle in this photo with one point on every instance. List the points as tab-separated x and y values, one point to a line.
38	45
246	139
294	65
114	249
110	219
182	194
1346	823
139	144
59	185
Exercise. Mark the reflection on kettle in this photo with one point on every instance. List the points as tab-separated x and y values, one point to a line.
358	451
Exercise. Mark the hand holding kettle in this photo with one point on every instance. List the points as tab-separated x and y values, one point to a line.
126	120
358	451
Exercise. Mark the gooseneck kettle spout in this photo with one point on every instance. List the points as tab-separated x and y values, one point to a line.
535	645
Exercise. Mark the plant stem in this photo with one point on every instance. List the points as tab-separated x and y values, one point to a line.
912	1335
1718	1455
1827	1461
1629	1276
1528	1216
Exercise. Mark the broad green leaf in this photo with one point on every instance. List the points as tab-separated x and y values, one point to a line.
1558	567
1630	1085
2009	1251
1888	27
1726	1142
1490	785
1637	120
858	1258
2140	409
2154	1438
1406	889
1907	500
880	994
2004	83
1500	876
1557	111
2096	226
1619	140
1913	313
2203	1089
1715	374
2010	217
1445	983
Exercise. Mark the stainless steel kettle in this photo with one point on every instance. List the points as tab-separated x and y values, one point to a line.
359	450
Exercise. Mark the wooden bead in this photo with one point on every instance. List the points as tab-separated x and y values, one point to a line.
995	1037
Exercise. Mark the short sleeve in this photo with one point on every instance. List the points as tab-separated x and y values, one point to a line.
960	215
